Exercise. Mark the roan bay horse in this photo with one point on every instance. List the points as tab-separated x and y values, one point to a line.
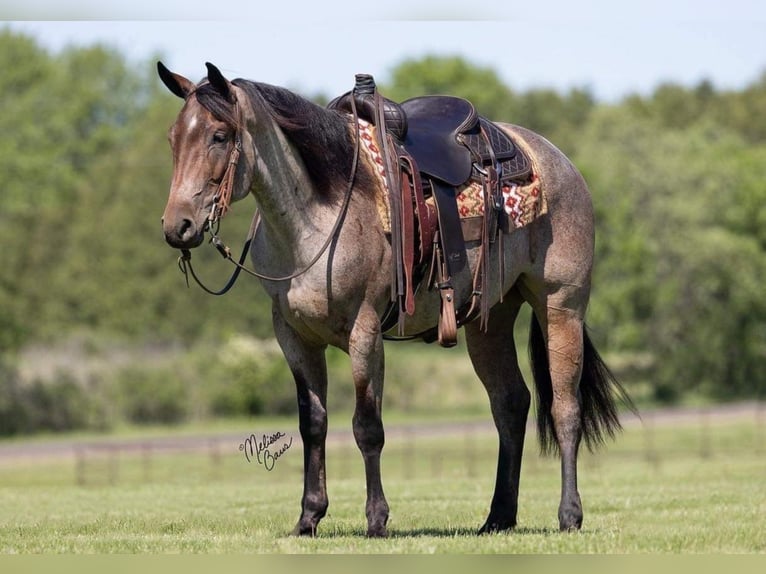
299	161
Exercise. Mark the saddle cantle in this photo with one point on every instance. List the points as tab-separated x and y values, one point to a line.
491	144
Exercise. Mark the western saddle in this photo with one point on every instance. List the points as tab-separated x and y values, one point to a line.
432	146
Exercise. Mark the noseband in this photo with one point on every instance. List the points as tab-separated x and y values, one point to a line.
222	202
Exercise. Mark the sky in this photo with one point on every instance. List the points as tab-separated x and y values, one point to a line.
609	47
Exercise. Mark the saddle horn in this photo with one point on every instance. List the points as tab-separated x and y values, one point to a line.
217	80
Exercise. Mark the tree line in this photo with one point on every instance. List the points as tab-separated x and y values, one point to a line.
678	180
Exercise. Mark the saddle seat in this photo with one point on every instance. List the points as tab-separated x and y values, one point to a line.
444	136
433	126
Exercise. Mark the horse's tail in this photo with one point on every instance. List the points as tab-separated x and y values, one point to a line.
598	394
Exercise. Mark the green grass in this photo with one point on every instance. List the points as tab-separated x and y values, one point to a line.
681	488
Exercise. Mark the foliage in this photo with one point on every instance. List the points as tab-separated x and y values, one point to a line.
677	179
58	404
100	389
679	254
555	116
253	379
453	76
152	396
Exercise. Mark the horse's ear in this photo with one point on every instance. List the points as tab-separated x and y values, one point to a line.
179	85
216	79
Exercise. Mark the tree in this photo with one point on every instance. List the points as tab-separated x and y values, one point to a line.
433	75
679	251
676	177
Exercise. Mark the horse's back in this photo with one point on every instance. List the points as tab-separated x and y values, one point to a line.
560	179
560	243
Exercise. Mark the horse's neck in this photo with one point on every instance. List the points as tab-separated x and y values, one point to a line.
282	188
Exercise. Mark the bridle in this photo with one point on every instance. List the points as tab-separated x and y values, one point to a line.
222	202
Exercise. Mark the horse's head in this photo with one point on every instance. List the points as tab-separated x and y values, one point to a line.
205	141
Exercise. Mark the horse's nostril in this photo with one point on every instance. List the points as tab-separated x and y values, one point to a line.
184	228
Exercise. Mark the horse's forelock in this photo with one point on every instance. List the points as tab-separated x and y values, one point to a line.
214	102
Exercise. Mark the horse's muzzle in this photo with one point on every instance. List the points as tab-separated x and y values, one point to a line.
183	234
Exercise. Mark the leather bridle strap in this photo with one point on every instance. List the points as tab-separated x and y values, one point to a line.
223	198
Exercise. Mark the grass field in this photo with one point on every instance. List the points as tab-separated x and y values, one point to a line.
688	485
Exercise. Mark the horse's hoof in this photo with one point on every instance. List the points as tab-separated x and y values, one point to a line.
570	521
491	526
304	530
377	532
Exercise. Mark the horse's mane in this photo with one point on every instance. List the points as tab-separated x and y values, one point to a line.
321	136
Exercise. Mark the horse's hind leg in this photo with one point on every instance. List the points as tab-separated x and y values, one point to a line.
563	332
493	355
309	369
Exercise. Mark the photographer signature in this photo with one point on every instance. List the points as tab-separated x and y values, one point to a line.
262	450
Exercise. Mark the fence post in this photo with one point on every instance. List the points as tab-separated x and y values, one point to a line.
652	456
79	465
114	464
408	455
146	461
215	458
436	463
470	452
705	442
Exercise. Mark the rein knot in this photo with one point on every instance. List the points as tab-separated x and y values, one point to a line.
222	248
184	260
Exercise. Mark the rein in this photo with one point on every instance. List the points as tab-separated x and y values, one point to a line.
222	202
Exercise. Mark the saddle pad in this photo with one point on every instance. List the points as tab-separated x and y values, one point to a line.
523	202
374	159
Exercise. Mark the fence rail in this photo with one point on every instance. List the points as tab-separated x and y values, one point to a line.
440	450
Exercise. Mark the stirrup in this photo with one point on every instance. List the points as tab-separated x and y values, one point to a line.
447	328
447	318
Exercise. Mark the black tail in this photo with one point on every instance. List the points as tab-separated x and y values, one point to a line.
598	390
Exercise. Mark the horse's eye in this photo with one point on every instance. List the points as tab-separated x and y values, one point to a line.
220	137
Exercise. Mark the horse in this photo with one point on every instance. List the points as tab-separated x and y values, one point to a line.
300	162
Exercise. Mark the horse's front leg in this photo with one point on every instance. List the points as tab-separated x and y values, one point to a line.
309	368
367	365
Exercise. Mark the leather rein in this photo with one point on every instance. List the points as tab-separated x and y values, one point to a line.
222	202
